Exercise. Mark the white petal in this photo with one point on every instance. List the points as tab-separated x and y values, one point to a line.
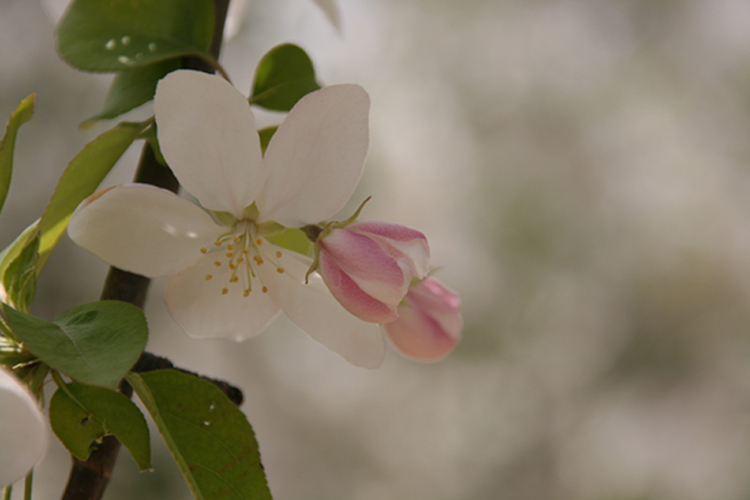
331	11
315	158
312	308
23	433
143	229
207	135
198	305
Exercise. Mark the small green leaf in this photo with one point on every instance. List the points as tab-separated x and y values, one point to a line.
121	34
284	75
83	414
13	250
131	88
19	279
209	437
265	137
292	239
21	115
95	343
82	176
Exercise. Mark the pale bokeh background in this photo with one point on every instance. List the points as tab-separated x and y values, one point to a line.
581	169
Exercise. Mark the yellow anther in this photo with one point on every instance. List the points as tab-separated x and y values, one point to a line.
229	255
217	263
218	243
204	250
265	289
247	292
234	279
279	270
278	255
259	242
237	239
258	259
224	291
232	267
246	251
208	277
230	247
240	260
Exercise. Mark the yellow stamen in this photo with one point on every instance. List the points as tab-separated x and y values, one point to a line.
247	292
265	289
217	263
204	250
230	247
224	291
208	277
278	255
259	242
279	270
234	279
232	267
229	255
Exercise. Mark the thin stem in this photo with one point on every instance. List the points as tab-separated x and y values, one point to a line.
27	485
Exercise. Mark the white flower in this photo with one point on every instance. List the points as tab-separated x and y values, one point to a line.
23	433
226	279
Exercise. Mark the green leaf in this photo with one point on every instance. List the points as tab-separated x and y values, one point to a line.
21	115
265	137
82	176
292	239
94	35
95	343
81	415
19	279
283	76
209	437
131	88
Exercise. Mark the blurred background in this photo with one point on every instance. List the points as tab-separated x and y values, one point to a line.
581	169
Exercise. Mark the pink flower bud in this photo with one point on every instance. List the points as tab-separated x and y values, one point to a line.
369	265
429	322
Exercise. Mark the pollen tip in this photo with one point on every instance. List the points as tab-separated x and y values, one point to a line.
246	293
265	289
229	255
217	263
278	255
246	251
259	241
208	277
230	247
217	243
232	267
224	291
204	250
280	270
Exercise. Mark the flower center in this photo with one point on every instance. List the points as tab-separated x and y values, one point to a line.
241	251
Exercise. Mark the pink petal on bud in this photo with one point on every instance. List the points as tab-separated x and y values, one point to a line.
351	296
407	245
364	261
429	324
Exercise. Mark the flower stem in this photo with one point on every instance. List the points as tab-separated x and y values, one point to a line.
88	479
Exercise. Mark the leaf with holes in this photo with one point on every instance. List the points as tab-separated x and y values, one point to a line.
95	343
81	415
209	437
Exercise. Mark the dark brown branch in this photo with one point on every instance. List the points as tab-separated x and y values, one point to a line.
88	479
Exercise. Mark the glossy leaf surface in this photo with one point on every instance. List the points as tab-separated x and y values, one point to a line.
283	77
121	34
